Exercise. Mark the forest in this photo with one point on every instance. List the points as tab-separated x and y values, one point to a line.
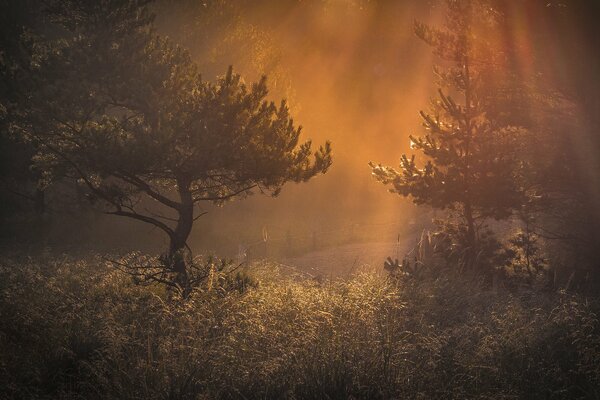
299	199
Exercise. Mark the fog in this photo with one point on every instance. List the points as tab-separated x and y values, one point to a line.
352	72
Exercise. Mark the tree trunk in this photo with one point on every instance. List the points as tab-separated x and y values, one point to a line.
178	243
471	250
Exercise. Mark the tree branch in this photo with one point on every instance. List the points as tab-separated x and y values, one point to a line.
199	215
226	196
144	186
143	218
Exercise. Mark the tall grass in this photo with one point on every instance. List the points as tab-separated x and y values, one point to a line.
74	329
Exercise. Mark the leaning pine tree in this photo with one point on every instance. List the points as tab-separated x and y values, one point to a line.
126	115
470	166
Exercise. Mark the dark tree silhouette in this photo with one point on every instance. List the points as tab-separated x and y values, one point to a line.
126	114
470	165
20	191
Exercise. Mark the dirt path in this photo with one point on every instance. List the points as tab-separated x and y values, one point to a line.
344	260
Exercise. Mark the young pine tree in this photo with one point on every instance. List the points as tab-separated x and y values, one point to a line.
470	167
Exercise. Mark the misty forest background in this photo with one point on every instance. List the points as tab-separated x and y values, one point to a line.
195	199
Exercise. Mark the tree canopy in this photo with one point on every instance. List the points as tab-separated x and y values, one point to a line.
127	114
469	164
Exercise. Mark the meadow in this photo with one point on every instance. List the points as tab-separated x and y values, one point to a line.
79	329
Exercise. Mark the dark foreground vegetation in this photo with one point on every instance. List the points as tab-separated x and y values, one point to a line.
79	329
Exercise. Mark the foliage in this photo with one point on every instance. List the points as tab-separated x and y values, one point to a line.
20	192
126	114
525	255
471	166
80	329
555	101
445	251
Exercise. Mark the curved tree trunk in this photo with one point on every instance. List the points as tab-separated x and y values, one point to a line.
178	239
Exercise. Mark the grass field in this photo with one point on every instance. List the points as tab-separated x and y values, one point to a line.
76	329
343	261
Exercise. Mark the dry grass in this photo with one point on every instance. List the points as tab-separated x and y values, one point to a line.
80	330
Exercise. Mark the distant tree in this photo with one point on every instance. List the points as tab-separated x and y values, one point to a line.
563	39
126	114
470	164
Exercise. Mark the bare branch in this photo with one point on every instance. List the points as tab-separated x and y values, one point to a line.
143	218
157	215
144	186
199	215
226	196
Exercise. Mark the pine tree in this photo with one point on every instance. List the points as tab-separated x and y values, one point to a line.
470	167
126	114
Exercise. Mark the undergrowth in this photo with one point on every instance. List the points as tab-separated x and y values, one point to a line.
81	330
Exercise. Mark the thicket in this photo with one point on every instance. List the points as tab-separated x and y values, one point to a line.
80	329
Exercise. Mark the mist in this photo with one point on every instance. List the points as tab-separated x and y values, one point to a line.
352	73
299	199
